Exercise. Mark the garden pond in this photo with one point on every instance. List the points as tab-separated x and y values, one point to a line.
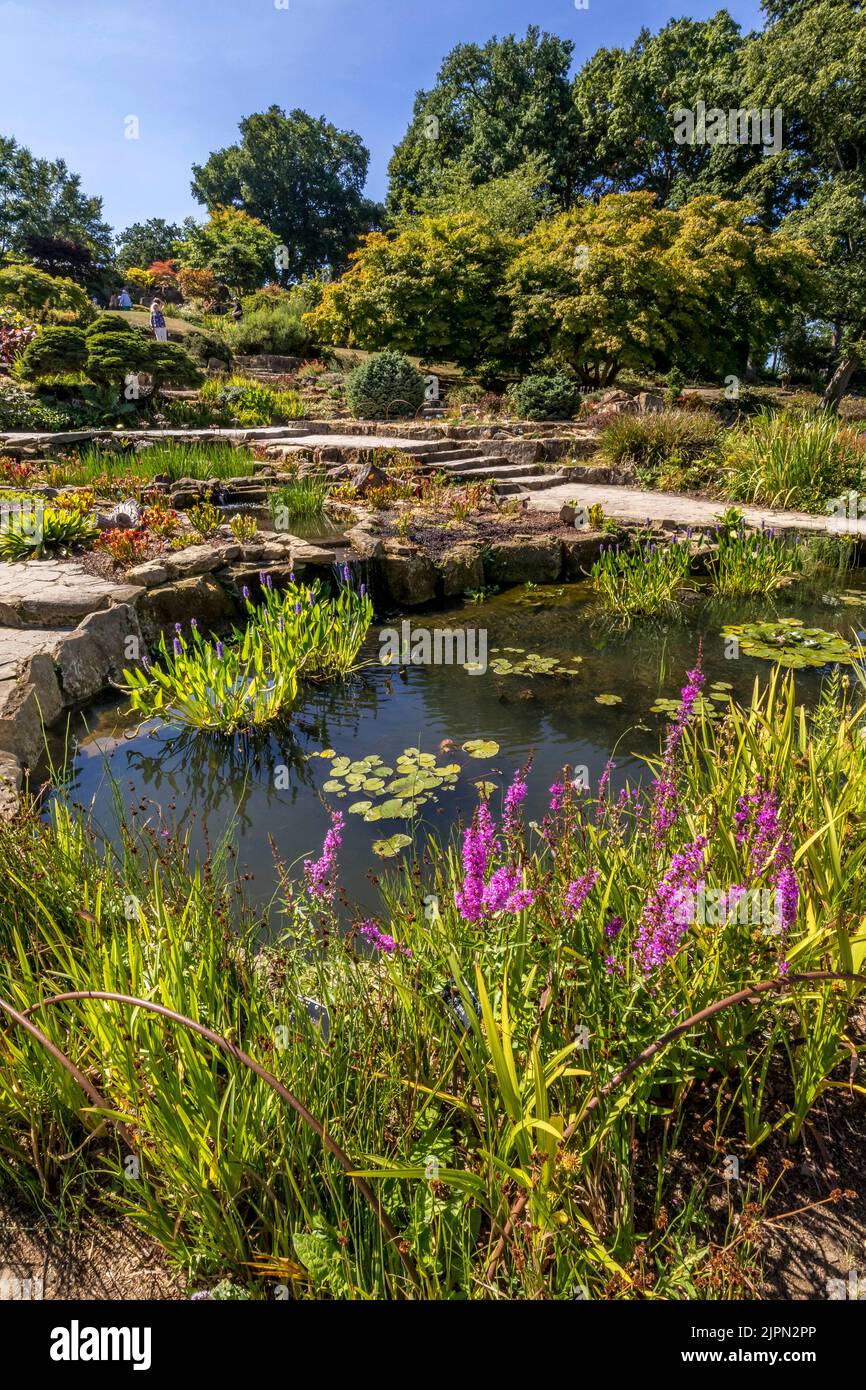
400	749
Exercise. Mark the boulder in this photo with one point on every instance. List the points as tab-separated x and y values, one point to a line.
522	558
201	559
29	704
198	597
650	402
150	574
580	552
95	655
461	568
409	575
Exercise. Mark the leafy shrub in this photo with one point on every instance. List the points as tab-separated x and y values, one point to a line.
54	352
384	386
15	333
667	440
244	527
205	519
26	287
21	410
545	397
202	346
278	330
250	403
777	459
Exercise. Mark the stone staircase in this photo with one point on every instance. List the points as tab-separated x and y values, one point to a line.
466	463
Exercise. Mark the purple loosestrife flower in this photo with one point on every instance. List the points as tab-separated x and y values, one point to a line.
381	941
602	788
479	846
577	892
613	928
502	893
557	792
514	799
787	898
319	873
669	910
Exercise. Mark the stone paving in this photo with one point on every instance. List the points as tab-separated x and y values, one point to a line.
55	594
672	509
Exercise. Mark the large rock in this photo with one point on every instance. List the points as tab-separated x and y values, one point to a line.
580	552
96	654
200	559
409	575
523	558
461	568
29	704
365	544
11	778
199	597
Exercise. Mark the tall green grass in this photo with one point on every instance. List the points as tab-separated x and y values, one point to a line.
797	461
659	443
169	459
517	1089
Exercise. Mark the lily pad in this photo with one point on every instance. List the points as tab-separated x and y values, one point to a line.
481	748
608	699
333	786
388	849
358	808
789	643
486	788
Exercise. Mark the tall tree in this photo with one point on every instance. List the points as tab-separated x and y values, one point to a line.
811	61
235	247
300	176
491	108
146	242
627	102
41	198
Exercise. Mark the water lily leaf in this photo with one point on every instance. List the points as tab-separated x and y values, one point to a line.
358	808
450	770
486	788
333	786
373	784
481	748
387	849
372	814
325	753
391	809
608	699
426	760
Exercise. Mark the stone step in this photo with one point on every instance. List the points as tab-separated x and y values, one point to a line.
536	482
480	463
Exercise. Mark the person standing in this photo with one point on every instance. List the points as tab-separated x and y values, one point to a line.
157	322
124	299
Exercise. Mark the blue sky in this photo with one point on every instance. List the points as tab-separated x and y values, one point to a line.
73	70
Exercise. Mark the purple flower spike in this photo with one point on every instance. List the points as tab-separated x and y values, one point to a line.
297	609
178	649
245	591
220	651
178	629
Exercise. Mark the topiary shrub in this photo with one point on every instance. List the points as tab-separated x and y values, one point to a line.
540	396
384	386
54	352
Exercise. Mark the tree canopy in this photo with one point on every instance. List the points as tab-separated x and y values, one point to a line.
300	176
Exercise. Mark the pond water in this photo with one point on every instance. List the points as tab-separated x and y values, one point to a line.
272	795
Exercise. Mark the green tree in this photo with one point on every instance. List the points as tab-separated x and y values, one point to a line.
490	109
236	247
146	242
26	287
626	284
811	61
435	288
627	99
300	176
41	198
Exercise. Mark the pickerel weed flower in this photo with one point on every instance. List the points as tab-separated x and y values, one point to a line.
319	873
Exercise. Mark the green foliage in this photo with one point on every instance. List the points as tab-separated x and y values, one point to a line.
385	386
146	242
659	441
202	346
174	460
802	462
400	291
643	580
25	287
237	248
250	403
205	519
279	330
252	681
244	527
545	397
492	107
21	410
42	199
30	532
750	563
303	499
300	176
54	352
